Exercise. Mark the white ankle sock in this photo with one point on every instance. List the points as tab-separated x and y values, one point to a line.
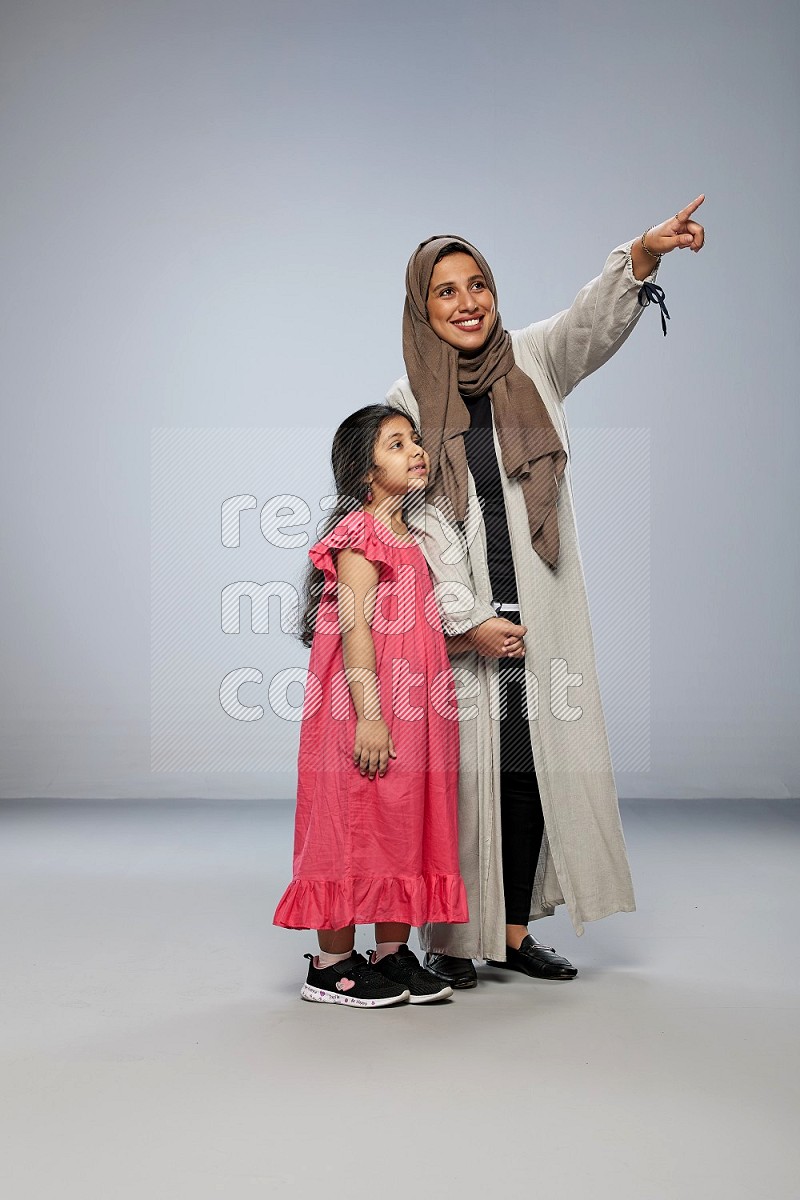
384	948
324	960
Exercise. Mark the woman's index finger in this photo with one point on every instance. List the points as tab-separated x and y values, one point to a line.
685	213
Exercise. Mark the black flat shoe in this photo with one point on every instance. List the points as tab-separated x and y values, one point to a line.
541	962
458	972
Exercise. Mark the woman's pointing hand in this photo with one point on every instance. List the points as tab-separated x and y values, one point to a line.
678	233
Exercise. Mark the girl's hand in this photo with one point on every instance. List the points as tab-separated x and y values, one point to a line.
678	233
499	638
373	747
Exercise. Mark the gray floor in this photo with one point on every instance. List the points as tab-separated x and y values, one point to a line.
154	1045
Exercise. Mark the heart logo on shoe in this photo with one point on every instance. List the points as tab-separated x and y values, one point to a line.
344	985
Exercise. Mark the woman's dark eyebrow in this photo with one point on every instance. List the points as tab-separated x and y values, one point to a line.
471	279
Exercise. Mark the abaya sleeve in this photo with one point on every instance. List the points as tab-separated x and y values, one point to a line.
574	343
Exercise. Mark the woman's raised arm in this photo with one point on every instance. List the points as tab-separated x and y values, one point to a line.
574	343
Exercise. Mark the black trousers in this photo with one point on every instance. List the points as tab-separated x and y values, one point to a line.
522	822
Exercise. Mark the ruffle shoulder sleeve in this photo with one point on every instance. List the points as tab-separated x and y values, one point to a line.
357	531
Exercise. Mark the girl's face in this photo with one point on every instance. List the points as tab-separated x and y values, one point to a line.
401	465
461	308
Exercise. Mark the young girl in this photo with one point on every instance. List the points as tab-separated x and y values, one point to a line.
376	831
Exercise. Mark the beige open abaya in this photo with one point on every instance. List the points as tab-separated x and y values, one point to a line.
584	861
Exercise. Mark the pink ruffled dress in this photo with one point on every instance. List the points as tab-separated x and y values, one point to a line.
385	850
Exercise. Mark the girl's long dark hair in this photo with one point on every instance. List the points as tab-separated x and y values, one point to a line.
352	457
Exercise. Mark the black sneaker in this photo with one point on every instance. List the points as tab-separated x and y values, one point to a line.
404	968
352	981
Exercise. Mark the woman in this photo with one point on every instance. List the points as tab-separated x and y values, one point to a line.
538	813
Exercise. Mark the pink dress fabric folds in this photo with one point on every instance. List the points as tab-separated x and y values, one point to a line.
386	849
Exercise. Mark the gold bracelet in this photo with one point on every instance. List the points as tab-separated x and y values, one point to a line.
657	257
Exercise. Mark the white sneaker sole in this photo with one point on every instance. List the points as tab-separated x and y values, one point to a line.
443	994
320	996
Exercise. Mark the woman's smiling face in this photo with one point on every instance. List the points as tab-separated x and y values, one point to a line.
461	308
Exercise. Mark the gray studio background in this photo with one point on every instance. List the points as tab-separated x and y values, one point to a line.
208	209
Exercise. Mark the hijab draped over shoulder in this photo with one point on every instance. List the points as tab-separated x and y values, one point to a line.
439	375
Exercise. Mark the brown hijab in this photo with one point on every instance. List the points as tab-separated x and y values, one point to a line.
531	448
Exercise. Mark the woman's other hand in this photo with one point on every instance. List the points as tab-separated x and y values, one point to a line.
499	638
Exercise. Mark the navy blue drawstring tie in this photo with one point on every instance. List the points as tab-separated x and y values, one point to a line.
651	291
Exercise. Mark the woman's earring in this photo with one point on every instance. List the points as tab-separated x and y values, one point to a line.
369	495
